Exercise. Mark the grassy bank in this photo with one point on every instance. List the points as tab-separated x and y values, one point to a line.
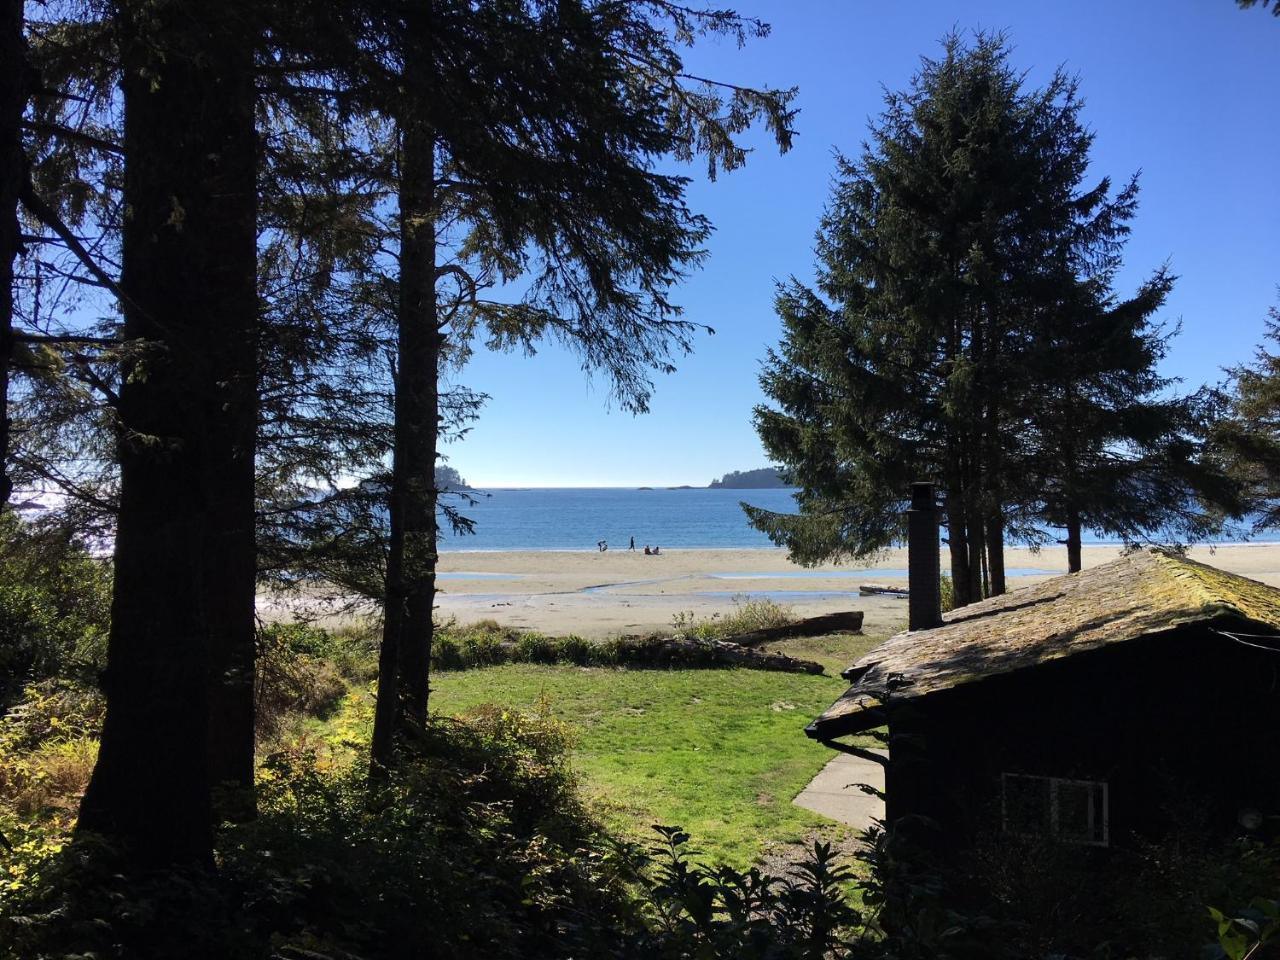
720	752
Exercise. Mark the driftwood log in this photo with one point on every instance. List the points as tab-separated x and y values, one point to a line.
896	591
689	651
848	621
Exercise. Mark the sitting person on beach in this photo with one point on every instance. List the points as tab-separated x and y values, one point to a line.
656	551
647	551
603	545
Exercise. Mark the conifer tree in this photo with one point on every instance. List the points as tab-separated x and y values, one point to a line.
13	173
186	408
953	261
550	184
1247	436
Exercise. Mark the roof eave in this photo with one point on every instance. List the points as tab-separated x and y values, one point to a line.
824	728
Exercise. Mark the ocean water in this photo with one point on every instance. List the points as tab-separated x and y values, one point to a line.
575	519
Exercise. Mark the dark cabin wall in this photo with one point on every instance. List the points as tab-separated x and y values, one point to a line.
1184	727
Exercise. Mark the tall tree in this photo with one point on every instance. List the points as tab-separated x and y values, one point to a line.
946	259
13	175
549	183
184	535
1110	446
1247	436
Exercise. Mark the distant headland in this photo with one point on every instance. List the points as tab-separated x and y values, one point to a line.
448	478
763	478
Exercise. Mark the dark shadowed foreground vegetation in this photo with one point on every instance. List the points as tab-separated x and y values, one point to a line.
495	837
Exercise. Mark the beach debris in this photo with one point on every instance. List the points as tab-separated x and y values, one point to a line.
847	621
893	590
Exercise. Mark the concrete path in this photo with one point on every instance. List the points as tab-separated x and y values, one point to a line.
834	792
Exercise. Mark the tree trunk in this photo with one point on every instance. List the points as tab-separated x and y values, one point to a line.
1073	539
977	552
995	552
418	397
404	663
180	609
958	542
13	171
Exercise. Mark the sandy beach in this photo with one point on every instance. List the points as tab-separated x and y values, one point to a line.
619	592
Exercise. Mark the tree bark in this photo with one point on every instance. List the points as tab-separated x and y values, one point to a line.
1073	539
995	552
977	551
404	663
13	173
182	608
958	543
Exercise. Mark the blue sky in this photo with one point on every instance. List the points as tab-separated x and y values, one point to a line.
1183	90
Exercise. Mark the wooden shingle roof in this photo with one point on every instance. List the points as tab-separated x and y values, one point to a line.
1143	593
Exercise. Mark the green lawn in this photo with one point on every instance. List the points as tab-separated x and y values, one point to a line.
719	752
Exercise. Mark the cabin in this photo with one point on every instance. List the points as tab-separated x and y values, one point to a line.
1094	708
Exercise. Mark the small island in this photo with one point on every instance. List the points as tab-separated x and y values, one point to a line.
449	479
763	478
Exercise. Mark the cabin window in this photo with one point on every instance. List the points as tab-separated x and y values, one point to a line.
1074	811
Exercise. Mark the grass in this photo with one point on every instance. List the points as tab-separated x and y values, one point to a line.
747	615
719	752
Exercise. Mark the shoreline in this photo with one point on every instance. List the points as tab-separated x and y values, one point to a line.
1107	545
595	594
618	592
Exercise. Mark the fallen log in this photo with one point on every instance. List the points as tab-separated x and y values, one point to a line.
691	652
848	621
882	588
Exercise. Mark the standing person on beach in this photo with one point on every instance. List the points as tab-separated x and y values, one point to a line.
632	548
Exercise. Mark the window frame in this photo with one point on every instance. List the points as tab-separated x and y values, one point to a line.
1055	820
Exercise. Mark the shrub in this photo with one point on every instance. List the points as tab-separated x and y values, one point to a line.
55	603
298	673
718	912
47	749
48	781
477	846
748	614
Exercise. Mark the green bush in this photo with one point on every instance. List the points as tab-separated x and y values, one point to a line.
747	615
55	606
477	846
303	670
720	913
488	644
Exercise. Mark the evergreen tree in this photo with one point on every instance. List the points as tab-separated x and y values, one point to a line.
959	258
550	184
13	174
184	573
1248	435
1111	448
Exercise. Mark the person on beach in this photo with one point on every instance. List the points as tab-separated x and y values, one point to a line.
656	551
647	551
633	544
603	545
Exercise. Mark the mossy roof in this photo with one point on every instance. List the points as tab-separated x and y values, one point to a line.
1146	592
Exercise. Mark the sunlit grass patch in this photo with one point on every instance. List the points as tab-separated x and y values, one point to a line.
720	752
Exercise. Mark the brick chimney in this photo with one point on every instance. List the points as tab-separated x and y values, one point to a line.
924	603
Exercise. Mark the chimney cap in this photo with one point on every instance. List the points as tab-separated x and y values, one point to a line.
922	496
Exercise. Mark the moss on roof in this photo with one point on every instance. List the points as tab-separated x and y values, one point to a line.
1146	592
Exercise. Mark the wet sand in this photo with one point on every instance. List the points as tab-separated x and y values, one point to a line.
619	592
